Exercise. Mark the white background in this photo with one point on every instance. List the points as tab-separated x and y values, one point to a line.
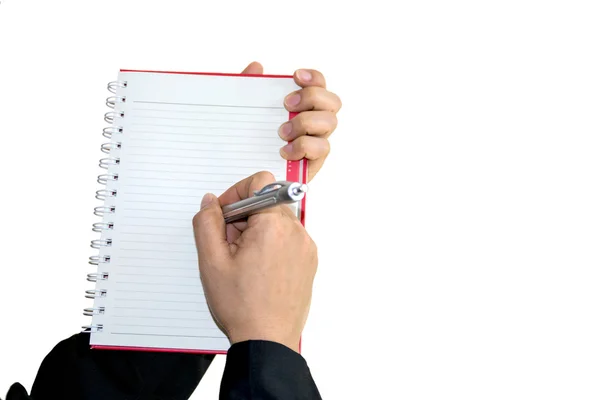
458	217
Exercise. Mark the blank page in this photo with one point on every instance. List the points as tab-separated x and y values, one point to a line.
183	135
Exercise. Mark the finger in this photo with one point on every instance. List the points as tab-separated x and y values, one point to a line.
234	230
312	98
240	191
246	188
254	68
209	233
308	147
313	123
315	149
309	77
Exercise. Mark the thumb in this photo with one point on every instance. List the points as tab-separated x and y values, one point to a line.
209	232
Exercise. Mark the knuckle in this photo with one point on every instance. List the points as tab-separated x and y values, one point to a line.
301	123
301	144
319	77
326	147
260	180
264	176
309	94
308	244
196	220
203	217
338	102
333	122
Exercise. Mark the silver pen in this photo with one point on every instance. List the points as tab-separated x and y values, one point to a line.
273	194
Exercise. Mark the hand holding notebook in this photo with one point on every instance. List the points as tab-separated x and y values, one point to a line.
175	137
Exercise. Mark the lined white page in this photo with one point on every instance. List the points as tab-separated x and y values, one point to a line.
183	136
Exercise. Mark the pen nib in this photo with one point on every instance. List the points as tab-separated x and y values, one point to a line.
301	189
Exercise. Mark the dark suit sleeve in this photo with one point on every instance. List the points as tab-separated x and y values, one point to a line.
267	371
73	371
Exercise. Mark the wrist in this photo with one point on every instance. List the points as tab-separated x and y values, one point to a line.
292	342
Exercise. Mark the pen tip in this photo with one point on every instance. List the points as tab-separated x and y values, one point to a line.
303	188
299	189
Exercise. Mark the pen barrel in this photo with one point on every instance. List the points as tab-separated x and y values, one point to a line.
244	208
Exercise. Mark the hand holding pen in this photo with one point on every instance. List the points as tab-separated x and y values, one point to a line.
257	275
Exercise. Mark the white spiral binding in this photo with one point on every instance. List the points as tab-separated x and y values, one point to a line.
96	260
112	101
102	226
109	131
104	178
113	148
111	116
93	294
108	147
92	328
114	85
88	312
97	276
104	193
108	161
102	210
97	243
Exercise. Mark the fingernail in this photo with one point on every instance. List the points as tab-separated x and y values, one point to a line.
286	130
287	149
304	75
293	100
206	200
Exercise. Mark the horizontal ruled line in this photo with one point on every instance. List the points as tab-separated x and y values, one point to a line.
200	150
209	158
160	292
193	141
161	194
208	120
156	334
155	234
155	210
161	284
182	172
156	267
207	105
169	187
152	242
158	226
158	251
170	219
160	309
162	301
171	318
230	128
207	165
186	226
205	112
142	241
160	202
180	180
212	134
158	276
163	326
162	259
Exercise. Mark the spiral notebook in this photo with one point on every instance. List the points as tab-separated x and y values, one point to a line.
174	137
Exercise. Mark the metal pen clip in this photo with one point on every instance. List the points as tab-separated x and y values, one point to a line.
273	194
